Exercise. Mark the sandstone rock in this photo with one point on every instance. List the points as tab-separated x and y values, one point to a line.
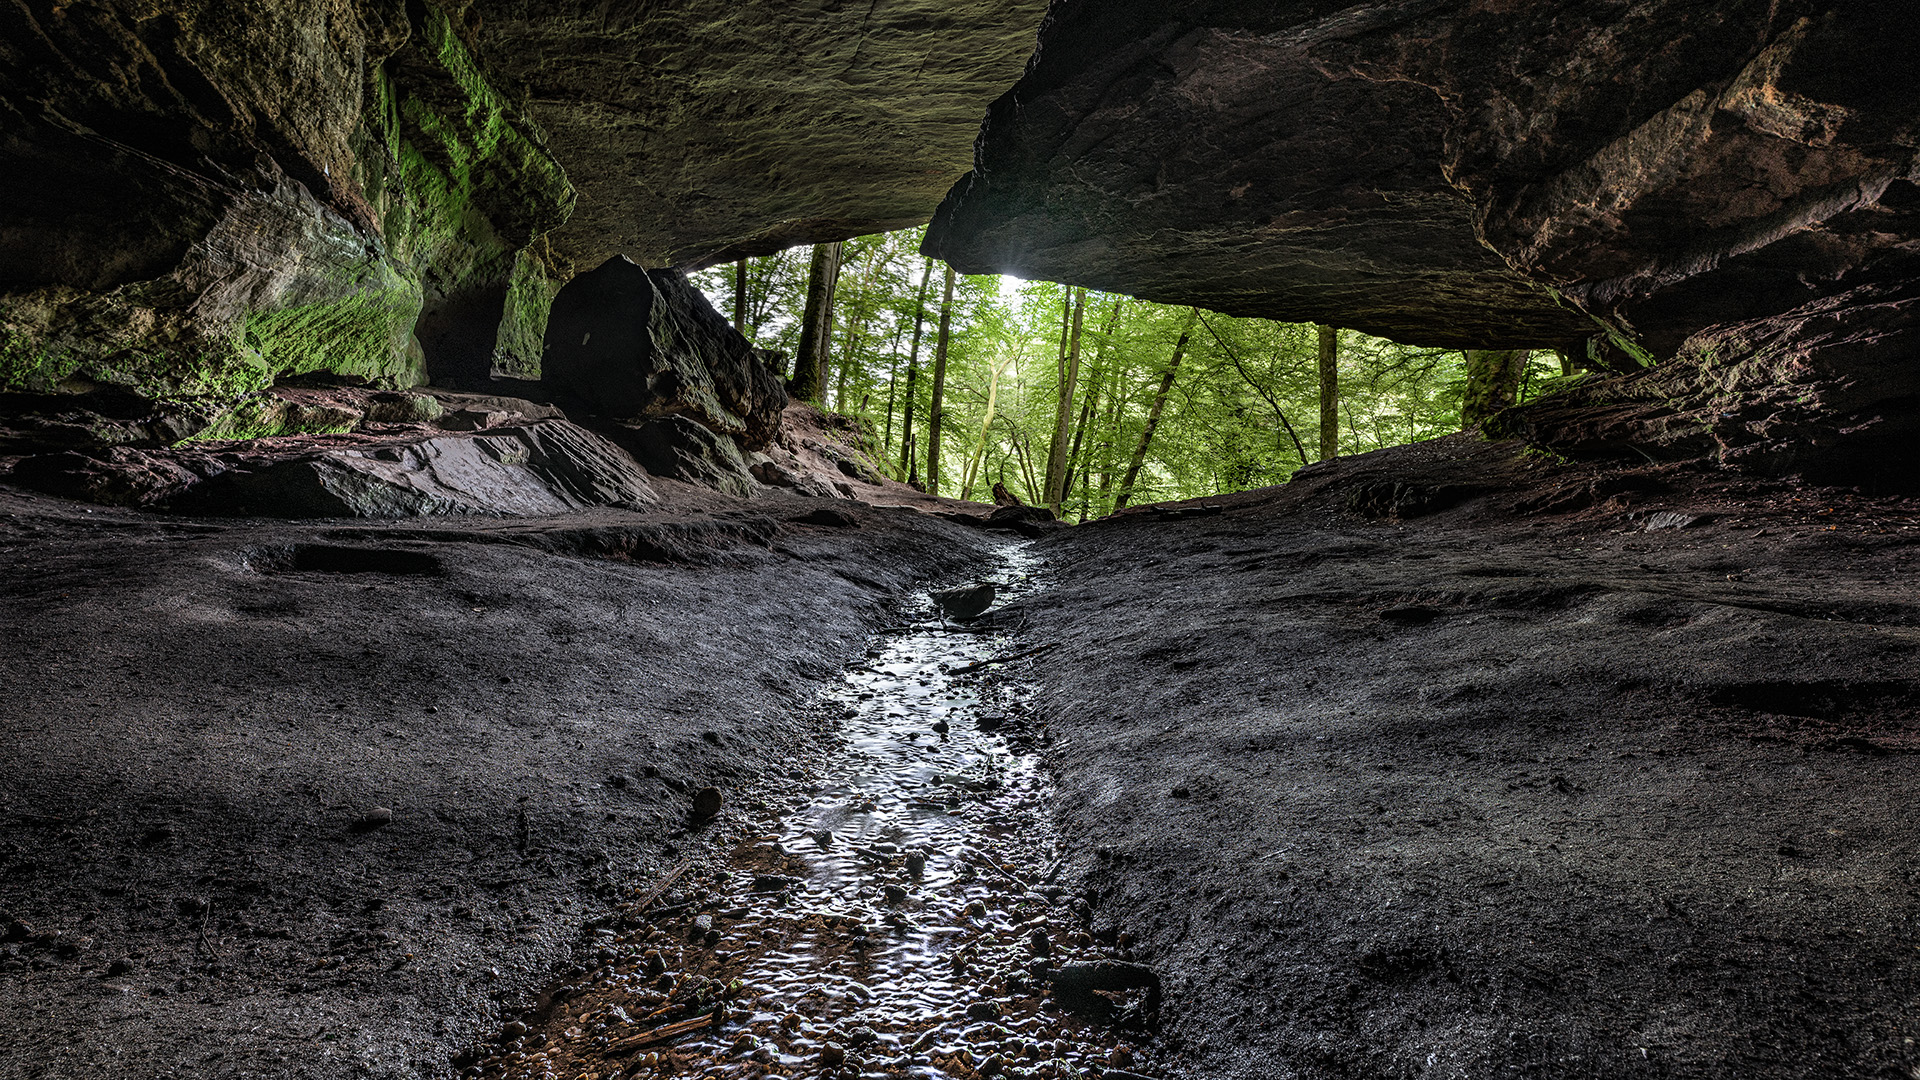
680	448
701	129
632	343
201	201
118	476
544	468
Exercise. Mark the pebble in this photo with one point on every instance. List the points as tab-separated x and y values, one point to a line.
916	863
896	894
993	1065
940	727
707	803
373	819
983	1010
831	1055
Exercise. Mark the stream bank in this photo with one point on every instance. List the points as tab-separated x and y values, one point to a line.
203	719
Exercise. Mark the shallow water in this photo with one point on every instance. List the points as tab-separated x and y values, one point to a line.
896	915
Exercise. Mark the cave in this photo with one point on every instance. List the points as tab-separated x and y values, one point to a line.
442	638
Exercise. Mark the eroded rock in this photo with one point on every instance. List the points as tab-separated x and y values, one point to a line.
637	344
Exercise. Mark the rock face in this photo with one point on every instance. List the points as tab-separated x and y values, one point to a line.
699	130
1470	175
203	198
682	449
517	470
638	344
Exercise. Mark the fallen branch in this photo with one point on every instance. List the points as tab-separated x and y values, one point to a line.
661	889
664	1033
967	669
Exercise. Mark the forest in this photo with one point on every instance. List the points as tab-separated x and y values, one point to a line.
1083	401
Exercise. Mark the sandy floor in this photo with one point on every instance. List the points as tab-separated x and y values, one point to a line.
1493	792
1510	784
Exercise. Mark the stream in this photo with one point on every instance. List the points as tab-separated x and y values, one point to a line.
893	911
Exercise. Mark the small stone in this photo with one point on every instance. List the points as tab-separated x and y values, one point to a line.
983	1010
824	838
916	864
376	818
940	727
618	780
120	966
655	963
831	1055
993	1065
895	894
1182	792
977	909
702	924
1039	943
707	803
514	1030
862	1036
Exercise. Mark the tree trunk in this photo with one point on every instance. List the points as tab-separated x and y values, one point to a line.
1069	371
980	451
1095	387
1493	379
909	464
1329	393
1153	414
934	412
816	325
740	295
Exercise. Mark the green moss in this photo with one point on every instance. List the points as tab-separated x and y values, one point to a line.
26	363
363	333
523	329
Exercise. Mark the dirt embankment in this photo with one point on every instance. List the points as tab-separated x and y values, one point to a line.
1530	780
200	719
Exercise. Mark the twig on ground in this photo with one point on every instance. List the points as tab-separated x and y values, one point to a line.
662	1034
661	889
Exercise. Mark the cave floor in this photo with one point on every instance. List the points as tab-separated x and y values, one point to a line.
1580	772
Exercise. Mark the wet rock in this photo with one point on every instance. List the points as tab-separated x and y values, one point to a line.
984	1010
639	344
993	1065
117	476
1039	943
513	1029
831	1055
862	1036
966	602
707	803
895	894
940	727
376	818
916	864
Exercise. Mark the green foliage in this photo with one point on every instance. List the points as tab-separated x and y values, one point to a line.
1243	410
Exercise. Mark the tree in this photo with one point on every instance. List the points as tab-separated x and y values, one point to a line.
1493	382
816	325
935	412
1069	373
1153	415
740	293
1329	393
909	461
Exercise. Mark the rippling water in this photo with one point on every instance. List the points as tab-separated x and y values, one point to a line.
898	915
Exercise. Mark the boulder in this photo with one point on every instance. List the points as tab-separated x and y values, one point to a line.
630	343
681	449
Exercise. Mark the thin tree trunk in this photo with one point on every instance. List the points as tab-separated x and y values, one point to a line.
740	295
1095	388
980	451
935	413
1153	414
1493	381
1069	370
1023	451
909	464
816	325
1273	402
1329	393
849	356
